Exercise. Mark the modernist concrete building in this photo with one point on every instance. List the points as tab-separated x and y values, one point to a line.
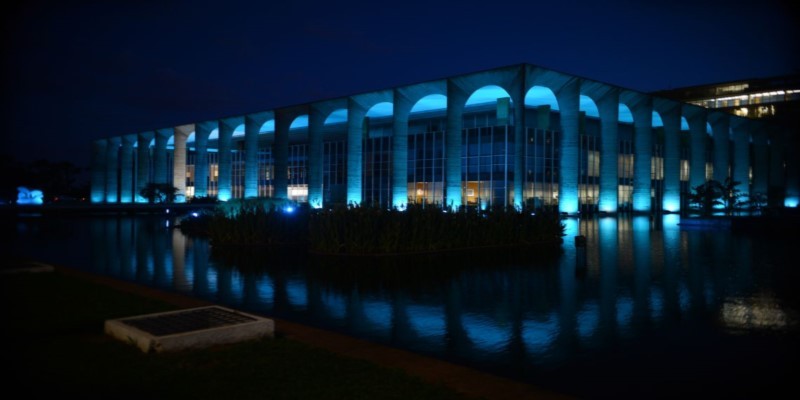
509	136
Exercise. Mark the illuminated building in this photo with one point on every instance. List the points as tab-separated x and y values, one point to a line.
509	136
774	99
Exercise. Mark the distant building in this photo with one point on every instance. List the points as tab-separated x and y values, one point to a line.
508	136
774	99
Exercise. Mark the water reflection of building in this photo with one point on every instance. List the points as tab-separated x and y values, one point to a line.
641	277
511	135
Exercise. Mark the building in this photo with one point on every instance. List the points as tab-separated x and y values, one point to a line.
514	135
774	99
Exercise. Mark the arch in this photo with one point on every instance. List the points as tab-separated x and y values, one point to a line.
338	116
485	95
657	122
238	131
588	106
430	102
625	114
541	96
382	109
267	127
299	122
214	134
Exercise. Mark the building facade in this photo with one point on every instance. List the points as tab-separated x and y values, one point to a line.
511	136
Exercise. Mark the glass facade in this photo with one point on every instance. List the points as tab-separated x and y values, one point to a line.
426	165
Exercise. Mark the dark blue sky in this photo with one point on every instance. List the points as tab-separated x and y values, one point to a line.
75	71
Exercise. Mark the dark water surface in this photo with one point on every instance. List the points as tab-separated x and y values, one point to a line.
655	311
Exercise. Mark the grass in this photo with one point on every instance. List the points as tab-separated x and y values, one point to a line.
55	345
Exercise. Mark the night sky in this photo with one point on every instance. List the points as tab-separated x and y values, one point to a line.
75	71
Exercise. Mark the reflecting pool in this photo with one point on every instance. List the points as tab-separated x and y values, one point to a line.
646	309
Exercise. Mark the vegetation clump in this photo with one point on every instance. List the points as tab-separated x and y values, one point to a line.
358	229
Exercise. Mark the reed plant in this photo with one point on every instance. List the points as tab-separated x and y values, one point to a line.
358	229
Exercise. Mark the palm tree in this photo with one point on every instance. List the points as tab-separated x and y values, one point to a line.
732	198
706	196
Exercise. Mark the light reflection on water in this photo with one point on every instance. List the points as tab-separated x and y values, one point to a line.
642	278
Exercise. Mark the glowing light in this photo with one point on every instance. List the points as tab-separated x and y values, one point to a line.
671	204
588	106
539	335
299	122
288	209
429	103
568	202
540	95
753	313
384	109
399	203
29	196
239	131
790	202
427	320
195	214
671	220
625	114
657	123
337	117
297	293
588	319
268	126
486	94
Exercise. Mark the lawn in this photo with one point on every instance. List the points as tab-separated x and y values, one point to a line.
54	345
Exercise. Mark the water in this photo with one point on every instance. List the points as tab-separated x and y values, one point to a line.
647	309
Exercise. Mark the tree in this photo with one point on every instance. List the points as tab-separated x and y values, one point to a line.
713	193
731	196
159	193
706	196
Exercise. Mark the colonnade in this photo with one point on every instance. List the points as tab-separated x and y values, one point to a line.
734	139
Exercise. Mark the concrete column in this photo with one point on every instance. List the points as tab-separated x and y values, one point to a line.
179	160
252	126
280	151
741	155
696	118
355	150
143	164
518	97
792	198
316	130
226	128
671	117
568	100
643	154
456	101
98	194
777	174
160	169
201	133
402	110
760	162
720	126
608	107
112	167
126	169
